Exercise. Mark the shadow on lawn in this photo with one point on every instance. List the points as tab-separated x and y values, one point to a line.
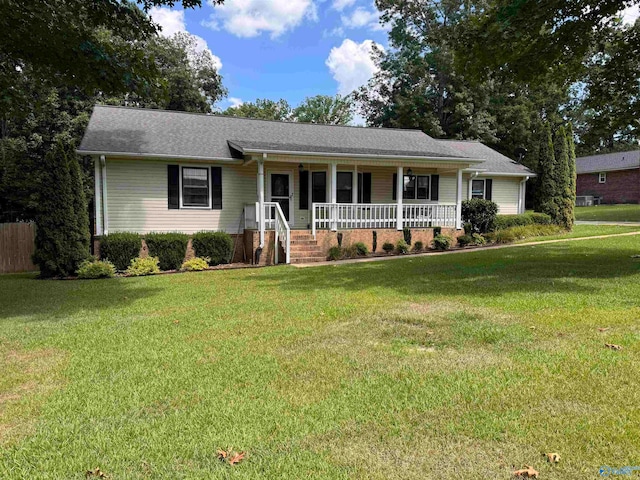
537	269
24	295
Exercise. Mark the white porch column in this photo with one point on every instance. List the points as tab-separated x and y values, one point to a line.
105	210
260	212
522	196
399	193
459	200
97	202
334	195
354	183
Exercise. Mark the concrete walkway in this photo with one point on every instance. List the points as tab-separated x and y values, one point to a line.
462	250
624	224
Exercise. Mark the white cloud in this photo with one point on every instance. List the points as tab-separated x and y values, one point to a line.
351	64
359	18
630	14
249	18
235	102
172	22
340	5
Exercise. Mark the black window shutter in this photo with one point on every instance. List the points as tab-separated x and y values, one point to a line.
395	186
216	188
304	190
366	188
488	187
173	186
435	187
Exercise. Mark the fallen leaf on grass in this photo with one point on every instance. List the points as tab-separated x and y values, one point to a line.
613	346
552	457
222	454
176	322
237	458
527	472
603	329
96	472
430	332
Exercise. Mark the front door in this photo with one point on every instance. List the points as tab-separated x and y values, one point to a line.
282	192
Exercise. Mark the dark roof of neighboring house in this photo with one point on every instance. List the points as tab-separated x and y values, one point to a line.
494	161
147	132
608	162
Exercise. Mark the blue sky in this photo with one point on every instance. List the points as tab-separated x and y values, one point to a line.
283	48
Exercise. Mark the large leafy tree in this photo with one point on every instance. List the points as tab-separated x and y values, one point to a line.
325	109
528	38
263	109
418	85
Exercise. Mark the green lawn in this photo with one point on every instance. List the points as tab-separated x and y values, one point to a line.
443	367
582	231
609	213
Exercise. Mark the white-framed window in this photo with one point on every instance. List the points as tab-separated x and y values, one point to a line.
477	188
602	177
416	187
195	187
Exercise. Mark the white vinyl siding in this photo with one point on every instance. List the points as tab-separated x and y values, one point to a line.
137	198
505	192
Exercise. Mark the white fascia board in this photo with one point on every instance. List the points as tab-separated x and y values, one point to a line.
160	156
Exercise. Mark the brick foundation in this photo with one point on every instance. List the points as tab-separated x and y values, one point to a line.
622	186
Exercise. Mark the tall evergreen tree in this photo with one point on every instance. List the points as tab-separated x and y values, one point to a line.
60	243
545	196
561	177
82	235
570	194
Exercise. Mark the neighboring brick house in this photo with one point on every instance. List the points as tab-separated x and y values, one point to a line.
611	178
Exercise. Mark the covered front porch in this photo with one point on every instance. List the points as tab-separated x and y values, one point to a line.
345	195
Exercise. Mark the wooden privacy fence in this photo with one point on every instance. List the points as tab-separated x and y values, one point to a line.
16	247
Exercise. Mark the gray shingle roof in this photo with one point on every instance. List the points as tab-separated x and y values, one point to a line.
166	133
494	161
136	131
608	162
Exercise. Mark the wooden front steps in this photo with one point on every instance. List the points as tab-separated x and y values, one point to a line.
304	249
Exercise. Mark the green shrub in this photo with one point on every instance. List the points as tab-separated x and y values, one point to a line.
350	251
437	231
479	239
468	228
505	236
402	246
335	253
418	246
96	269
169	248
465	240
195	264
406	232
388	247
480	213
374	243
361	249
442	242
120	248
143	266
217	246
529	218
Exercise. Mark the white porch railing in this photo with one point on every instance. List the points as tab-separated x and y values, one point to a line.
337	216
424	216
274	219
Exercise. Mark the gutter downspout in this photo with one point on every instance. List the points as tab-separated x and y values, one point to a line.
523	190
97	193
103	178
261	198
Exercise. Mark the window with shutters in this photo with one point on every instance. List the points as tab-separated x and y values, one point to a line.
195	187
477	189
416	187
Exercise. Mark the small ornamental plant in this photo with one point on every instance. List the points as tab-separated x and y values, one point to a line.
388	247
402	246
195	264
143	266
96	269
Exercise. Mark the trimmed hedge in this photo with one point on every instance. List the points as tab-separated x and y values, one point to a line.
521	220
442	242
169	248
120	248
217	246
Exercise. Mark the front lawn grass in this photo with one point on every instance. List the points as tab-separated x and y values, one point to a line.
583	231
443	367
609	213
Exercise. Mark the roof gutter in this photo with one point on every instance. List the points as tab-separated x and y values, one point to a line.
361	155
160	156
